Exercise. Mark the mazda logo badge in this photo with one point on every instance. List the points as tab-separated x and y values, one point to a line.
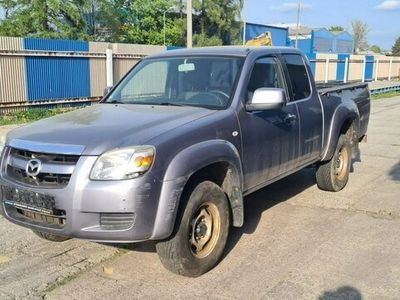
33	167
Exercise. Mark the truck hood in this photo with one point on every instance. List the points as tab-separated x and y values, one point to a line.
106	126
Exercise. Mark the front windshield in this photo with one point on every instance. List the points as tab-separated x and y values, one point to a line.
191	81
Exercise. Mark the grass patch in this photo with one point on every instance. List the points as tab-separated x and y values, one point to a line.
32	114
385	95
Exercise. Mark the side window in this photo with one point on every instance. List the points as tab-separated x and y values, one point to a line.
298	76
266	73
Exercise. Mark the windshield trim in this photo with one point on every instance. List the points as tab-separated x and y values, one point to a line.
231	96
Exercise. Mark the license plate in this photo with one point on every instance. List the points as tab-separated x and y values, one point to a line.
24	199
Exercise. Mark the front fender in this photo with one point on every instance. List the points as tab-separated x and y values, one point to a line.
344	113
184	165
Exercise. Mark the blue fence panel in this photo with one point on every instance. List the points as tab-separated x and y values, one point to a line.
56	45
369	67
54	77
341	66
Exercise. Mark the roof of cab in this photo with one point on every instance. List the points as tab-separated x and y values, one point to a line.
240	51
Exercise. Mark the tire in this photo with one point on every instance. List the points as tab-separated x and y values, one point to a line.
51	237
333	175
201	231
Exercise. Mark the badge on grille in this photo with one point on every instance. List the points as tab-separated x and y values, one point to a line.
33	167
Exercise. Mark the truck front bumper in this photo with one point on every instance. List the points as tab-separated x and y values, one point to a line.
106	211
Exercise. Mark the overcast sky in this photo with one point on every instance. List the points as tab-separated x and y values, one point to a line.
383	17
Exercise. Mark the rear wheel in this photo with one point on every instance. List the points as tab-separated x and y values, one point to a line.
51	237
201	232
334	174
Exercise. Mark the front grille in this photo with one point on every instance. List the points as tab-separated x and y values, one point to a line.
49	158
43	218
43	179
56	169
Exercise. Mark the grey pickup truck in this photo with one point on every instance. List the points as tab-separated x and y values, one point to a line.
172	149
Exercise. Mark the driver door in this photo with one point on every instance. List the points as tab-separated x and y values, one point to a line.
270	137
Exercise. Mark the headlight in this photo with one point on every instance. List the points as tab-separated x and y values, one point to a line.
124	163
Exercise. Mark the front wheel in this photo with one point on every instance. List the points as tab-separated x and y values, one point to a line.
334	174
201	232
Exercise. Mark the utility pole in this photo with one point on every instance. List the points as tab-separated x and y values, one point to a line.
244	21
189	24
298	23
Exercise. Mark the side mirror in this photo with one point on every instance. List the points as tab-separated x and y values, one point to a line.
107	90
267	98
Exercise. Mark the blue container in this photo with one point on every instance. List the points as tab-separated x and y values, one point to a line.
304	45
312	56
55	77
323	41
279	35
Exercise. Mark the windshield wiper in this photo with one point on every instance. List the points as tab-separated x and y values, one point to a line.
113	102
169	104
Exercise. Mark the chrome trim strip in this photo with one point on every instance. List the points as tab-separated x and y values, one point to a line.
47	148
46	168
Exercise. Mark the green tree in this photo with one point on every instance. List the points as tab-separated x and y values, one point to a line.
215	22
142	22
336	28
360	33
101	20
45	18
375	49
130	21
396	47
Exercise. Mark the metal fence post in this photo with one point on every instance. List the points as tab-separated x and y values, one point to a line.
346	69
364	68
377	70
327	70
109	66
390	69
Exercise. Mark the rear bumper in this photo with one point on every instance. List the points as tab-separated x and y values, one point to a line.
86	202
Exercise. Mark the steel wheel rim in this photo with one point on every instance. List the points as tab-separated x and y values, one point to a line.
342	163
205	228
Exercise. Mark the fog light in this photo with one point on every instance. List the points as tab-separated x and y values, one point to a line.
117	221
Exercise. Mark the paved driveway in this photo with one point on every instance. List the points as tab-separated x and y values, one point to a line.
297	243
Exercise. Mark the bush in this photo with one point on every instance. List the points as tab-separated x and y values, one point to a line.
32	114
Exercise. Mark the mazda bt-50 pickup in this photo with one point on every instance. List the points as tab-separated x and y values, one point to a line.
170	152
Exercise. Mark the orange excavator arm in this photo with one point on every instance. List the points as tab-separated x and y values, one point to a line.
264	39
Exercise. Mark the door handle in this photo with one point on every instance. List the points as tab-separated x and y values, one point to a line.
290	119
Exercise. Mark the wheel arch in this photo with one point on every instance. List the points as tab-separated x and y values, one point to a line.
218	161
344	118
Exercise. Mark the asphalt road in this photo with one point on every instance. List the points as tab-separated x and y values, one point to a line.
297	243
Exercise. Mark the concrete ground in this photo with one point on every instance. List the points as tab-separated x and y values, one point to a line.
297	243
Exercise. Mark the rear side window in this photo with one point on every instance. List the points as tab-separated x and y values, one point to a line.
298	76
